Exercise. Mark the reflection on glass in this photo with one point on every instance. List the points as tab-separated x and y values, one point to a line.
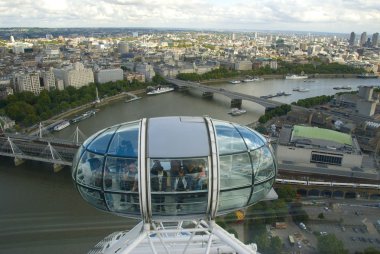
100	144
125	141
251	138
228	138
233	199
266	169
93	197
235	170
89	170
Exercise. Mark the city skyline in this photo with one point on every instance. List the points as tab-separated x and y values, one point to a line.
296	15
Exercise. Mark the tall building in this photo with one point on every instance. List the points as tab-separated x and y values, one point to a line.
352	39
27	82
123	47
75	75
48	80
375	39
363	39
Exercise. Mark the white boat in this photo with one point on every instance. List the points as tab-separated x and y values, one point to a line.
342	87
61	126
296	76
160	90
237	111
301	89
252	79
235	81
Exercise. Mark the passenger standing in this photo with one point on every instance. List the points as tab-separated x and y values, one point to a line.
180	184
159	179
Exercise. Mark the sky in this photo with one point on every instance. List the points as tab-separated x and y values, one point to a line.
341	16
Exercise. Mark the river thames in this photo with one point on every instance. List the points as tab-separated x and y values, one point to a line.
41	212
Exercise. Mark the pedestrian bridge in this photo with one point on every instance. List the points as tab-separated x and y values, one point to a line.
236	98
52	150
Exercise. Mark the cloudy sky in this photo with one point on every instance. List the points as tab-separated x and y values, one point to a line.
302	15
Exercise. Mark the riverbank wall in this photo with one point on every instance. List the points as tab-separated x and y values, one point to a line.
87	106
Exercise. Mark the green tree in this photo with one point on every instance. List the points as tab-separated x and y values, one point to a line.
329	244
321	216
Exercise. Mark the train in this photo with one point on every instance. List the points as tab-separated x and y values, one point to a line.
328	184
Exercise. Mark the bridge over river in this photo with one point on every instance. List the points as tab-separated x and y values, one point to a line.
236	98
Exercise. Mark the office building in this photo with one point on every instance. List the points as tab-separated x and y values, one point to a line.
108	75
28	82
352	39
75	75
363	39
375	39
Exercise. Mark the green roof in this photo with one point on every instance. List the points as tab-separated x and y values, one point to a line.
324	134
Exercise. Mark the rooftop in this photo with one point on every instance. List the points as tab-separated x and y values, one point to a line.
323	134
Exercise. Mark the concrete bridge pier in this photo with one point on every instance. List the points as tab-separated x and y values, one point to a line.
208	95
236	103
18	161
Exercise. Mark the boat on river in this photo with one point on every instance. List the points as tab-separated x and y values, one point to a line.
235	81
342	87
301	89
237	111
252	79
367	75
61	125
160	90
83	116
294	76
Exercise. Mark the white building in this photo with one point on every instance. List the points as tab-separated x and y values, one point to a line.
108	75
75	75
146	69
243	65
48	80
27	82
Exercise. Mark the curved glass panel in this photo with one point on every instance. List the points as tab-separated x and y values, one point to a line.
252	139
235	171
94	197
266	167
260	191
75	161
233	199
125	141
178	186
123	203
89	170
228	139
101	142
88	140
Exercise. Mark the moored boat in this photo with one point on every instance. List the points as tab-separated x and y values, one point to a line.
301	89
235	81
367	75
61	126
296	76
160	90
237	111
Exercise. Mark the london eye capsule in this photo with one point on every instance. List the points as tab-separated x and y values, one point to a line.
173	168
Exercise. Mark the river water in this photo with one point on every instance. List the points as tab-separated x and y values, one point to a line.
41	212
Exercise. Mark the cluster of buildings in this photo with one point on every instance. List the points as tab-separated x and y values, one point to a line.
59	62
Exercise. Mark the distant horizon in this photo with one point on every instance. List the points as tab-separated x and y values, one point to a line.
187	29
323	16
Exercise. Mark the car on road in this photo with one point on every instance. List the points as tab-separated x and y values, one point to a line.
353	238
